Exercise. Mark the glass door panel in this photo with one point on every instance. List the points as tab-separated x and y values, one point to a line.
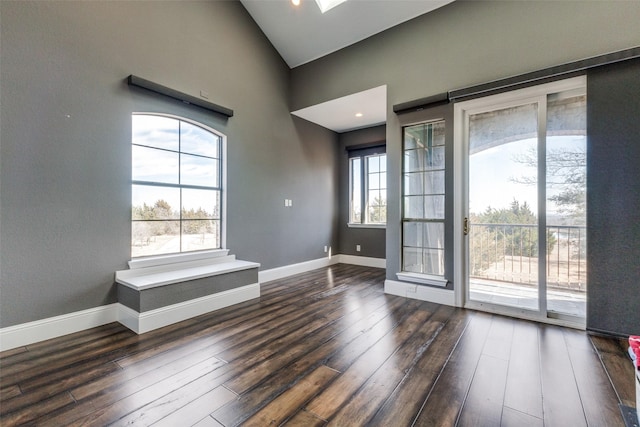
566	190
524	175
503	205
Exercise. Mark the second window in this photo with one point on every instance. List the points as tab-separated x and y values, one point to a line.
368	187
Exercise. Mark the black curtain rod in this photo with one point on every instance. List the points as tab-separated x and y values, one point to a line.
535	77
522	80
180	96
421	104
365	146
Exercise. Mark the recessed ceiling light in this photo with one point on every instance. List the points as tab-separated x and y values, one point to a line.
295	2
325	5
359	114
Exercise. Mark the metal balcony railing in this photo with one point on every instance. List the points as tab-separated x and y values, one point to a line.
509	253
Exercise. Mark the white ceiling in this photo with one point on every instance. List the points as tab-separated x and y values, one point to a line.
339	114
302	34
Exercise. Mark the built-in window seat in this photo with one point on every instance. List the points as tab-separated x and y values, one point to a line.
160	291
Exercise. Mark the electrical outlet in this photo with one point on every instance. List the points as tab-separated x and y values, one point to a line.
326	249
357	248
412	289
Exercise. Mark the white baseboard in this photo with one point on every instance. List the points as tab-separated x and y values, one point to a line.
53	327
154	319
44	329
290	270
303	267
362	260
419	292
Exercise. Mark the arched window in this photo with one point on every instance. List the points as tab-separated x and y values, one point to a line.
177	186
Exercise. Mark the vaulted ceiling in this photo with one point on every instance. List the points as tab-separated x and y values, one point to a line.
303	33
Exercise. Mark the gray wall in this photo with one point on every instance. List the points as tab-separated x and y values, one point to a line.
466	43
66	132
473	42
65	123
613	201
371	240
459	45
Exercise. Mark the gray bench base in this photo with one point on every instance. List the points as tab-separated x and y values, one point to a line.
167	315
150	298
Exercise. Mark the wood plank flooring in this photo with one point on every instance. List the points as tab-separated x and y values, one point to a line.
326	347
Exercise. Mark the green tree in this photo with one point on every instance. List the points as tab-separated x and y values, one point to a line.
378	211
567	178
566	173
511	231
144	232
162	209
195	221
482	249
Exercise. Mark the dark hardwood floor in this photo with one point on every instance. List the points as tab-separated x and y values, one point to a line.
326	347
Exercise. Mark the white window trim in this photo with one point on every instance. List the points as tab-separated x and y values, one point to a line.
462	110
351	190
423	279
367	225
407	276
365	191
155	261
166	259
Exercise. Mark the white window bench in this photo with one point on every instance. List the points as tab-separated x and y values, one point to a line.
152	295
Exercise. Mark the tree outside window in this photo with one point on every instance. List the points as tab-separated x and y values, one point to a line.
368	188
176	186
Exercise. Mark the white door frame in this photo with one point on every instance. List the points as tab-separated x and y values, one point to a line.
462	110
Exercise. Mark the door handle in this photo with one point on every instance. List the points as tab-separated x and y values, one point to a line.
465	226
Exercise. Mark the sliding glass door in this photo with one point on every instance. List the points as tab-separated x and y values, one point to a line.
503	224
566	203
525	186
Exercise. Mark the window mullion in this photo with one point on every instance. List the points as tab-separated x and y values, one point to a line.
542	204
169	185
180	181
364	189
